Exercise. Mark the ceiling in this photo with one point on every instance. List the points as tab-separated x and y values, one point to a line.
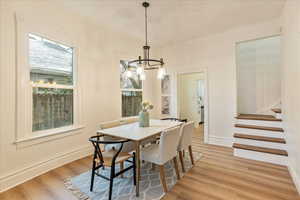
176	20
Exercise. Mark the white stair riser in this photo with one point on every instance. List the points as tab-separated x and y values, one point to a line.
265	157
258	132
258	143
278	115
277	124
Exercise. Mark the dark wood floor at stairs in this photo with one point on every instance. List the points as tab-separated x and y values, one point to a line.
259	127
259	138
257	117
260	149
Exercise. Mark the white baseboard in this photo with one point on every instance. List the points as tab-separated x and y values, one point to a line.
295	177
221	141
13	179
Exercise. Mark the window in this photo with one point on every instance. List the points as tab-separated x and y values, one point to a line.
131	90
51	75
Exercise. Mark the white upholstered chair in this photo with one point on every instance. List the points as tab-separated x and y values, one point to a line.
185	142
163	152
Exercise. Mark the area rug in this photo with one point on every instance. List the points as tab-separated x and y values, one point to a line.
123	188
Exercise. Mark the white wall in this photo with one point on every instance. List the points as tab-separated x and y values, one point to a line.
258	74
216	54
99	53
188	96
291	84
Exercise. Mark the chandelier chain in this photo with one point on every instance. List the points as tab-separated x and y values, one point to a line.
146	26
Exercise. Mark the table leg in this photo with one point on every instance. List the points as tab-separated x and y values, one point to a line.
138	166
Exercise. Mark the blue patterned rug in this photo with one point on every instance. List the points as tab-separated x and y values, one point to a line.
123	188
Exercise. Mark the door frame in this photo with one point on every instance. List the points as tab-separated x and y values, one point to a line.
206	102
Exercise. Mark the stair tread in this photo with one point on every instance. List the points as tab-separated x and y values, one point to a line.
276	110
260	149
259	127
260	138
258	117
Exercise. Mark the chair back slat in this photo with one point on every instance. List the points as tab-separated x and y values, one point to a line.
97	142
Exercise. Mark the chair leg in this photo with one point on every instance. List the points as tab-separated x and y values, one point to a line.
181	161
134	169
191	154
176	168
93	176
111	183
163	178
121	168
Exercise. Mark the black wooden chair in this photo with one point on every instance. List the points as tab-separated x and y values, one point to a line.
110	159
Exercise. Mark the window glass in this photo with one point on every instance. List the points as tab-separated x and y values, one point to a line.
132	82
50	61
131	90
51	71
52	108
131	103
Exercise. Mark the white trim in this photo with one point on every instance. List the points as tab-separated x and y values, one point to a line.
2	93
131	90
206	100
266	123
48	135
54	86
20	176
221	141
261	156
294	175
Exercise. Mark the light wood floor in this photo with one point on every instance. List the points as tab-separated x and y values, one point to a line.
218	176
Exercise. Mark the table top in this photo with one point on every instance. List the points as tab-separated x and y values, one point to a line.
134	132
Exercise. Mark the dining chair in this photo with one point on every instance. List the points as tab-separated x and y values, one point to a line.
166	150
185	142
110	158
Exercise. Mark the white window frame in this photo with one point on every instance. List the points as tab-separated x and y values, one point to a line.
24	100
130	90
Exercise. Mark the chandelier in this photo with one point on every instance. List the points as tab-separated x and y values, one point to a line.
146	63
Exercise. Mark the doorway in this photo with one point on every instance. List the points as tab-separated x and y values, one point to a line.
191	100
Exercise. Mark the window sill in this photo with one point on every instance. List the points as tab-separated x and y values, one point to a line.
48	135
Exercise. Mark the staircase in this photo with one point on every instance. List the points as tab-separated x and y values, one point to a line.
260	137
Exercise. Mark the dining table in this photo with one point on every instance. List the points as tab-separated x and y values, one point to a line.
137	135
